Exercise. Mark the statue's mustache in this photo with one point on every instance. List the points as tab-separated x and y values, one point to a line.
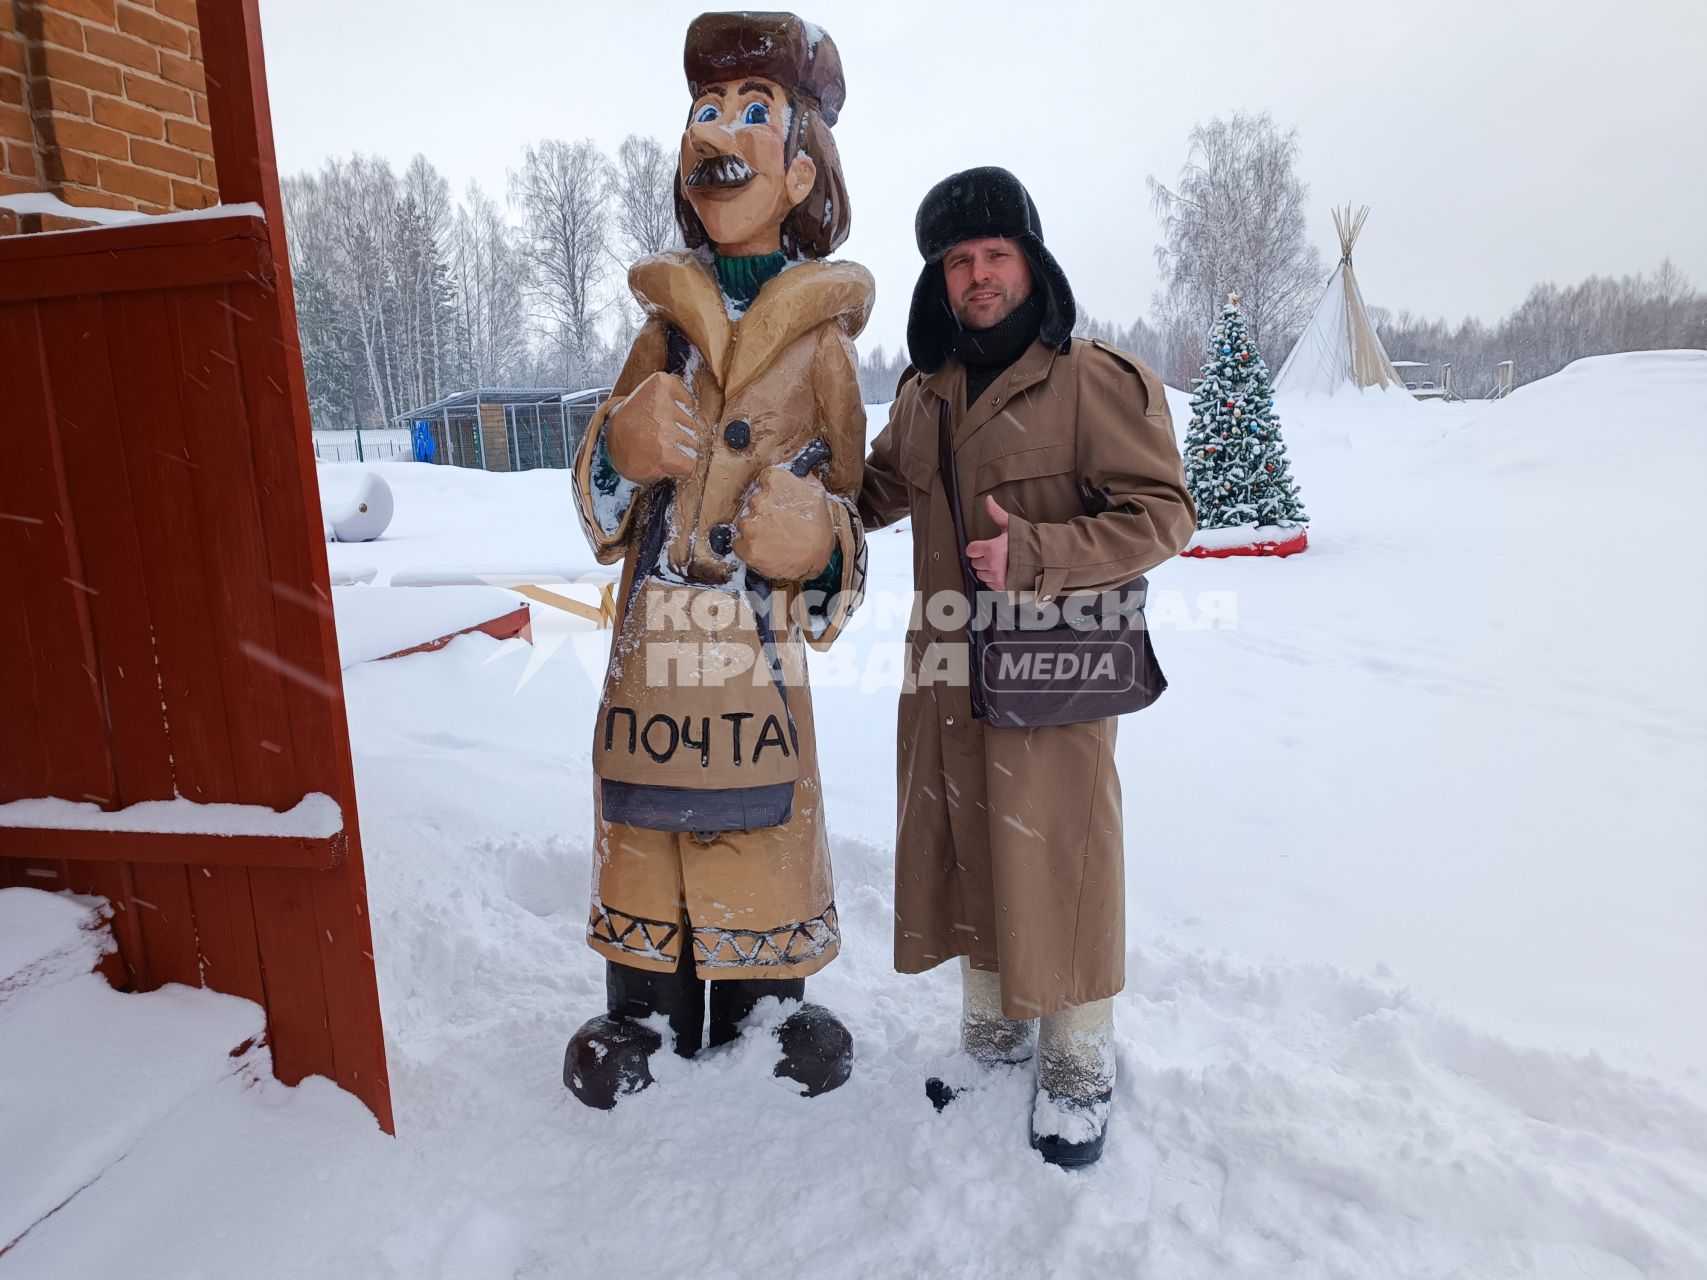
720	172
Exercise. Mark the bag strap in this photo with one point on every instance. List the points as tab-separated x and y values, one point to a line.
951	490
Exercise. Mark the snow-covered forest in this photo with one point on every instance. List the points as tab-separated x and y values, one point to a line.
406	292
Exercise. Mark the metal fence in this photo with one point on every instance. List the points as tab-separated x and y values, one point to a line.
376	451
508	437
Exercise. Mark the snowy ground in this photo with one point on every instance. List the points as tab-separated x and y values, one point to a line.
1416	875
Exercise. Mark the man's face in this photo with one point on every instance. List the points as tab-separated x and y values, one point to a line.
732	170
986	280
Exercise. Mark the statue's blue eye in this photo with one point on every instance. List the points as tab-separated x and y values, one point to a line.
706	114
756	113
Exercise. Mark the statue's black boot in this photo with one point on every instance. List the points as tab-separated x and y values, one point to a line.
610	1056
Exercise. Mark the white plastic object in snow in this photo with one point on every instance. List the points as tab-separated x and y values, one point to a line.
366	516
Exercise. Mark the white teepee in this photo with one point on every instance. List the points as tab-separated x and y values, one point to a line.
1339	347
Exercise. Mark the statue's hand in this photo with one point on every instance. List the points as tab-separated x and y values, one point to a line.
784	530
655	434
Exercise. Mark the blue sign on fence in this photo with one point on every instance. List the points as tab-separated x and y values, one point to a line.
424	447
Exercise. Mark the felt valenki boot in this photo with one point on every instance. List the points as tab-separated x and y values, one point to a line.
986	1037
1075	1084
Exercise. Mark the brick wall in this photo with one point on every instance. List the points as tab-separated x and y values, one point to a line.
102	103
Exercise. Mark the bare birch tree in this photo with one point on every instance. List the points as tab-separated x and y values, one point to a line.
561	192
1235	222
491	277
644	209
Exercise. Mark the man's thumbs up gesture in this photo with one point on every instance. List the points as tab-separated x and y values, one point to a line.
989	556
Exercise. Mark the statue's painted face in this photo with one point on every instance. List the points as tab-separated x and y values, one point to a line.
732	169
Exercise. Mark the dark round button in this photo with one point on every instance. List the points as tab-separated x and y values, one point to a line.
722	538
738	434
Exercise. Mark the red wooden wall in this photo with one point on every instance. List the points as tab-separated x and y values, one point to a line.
167	619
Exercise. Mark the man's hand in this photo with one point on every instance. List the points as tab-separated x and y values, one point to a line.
989	556
784	530
655	434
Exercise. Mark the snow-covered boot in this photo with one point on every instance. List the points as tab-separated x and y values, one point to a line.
608	1058
986	1037
817	1050
1075	1084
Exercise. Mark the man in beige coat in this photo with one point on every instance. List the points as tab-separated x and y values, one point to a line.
1009	850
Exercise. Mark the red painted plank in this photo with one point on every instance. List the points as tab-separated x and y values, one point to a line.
225	928
161	896
352	996
305	625
244	150
238	111
273	681
57	673
503	627
180	559
252	658
174	848
90	274
82	374
180	234
288	932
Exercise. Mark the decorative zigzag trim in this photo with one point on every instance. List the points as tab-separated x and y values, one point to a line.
635	935
753	948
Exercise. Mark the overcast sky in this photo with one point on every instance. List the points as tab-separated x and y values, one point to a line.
1498	142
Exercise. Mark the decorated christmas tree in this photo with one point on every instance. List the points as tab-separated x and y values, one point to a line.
1235	460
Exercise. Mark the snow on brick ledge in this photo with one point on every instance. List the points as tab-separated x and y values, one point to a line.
1247	540
315	816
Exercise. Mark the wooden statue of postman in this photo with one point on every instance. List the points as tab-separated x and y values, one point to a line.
723	472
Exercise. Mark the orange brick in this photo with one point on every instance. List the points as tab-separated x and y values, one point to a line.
91	139
15	123
201	107
151	155
144	25
58	29
21	161
53	222
11	186
209	177
183	11
68	166
191	195
90	198
11	51
127	50
181	71
97	10
128	180
11	88
8	18
57	64
139	122
66	99
196	45
9	220
191	137
162	97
